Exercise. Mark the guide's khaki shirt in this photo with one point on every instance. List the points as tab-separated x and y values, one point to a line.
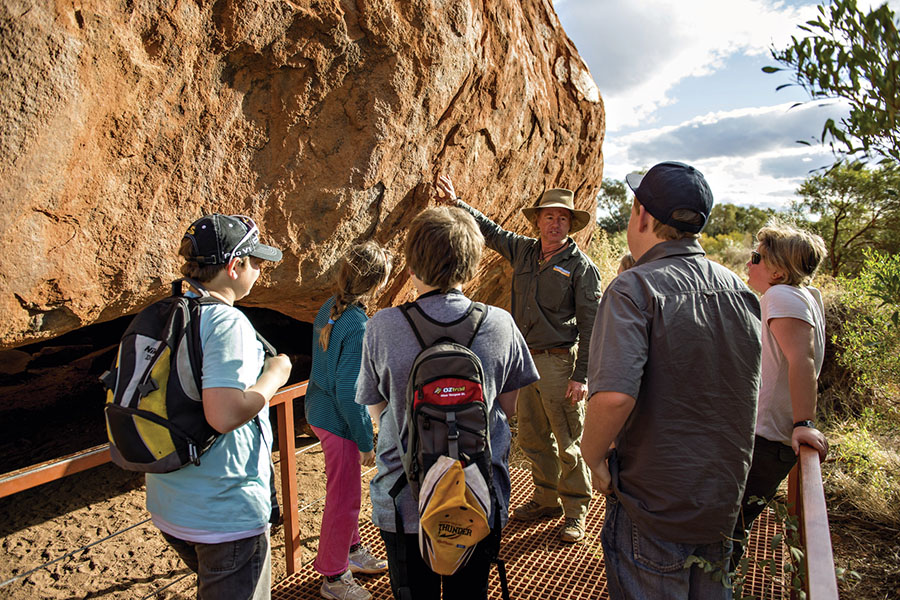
553	303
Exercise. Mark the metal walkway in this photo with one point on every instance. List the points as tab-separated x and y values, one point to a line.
538	565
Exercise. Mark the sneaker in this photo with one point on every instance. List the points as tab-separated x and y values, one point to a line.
531	510
572	531
362	561
345	588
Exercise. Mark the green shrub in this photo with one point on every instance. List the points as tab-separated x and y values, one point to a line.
868	336
859	387
730	249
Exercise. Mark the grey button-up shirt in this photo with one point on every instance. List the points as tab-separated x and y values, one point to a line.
553	303
680	334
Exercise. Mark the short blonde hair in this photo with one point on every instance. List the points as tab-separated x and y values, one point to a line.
443	247
796	252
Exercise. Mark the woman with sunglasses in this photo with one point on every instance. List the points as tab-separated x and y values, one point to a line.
793	348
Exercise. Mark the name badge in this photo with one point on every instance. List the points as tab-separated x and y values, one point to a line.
559	269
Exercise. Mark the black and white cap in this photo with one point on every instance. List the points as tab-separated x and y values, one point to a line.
216	239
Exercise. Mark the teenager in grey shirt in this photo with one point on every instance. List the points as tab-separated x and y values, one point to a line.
442	252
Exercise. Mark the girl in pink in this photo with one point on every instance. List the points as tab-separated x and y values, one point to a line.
344	427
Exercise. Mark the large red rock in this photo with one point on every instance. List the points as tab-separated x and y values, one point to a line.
326	121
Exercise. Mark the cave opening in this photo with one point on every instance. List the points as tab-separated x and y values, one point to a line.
51	399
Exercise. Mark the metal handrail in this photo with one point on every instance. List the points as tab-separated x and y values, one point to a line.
52	470
806	500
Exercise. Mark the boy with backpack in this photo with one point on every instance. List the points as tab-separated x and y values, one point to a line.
216	514
442	251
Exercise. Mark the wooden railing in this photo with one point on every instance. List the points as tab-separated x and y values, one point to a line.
806	499
29	477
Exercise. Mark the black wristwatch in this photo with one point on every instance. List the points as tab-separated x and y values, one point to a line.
805	423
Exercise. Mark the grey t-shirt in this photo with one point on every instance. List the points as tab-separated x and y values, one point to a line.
389	349
680	334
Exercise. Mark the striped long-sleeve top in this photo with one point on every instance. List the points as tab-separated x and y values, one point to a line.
330	397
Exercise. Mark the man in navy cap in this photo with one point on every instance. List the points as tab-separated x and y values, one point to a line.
673	377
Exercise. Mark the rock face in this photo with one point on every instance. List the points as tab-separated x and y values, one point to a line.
326	121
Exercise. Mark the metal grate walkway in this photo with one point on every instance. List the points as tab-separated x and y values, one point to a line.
538	565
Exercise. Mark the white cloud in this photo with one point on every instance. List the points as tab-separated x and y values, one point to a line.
638	51
735	134
749	156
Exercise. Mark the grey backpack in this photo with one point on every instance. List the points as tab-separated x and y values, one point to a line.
446	411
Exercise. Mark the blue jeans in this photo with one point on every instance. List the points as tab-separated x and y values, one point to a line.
640	567
238	570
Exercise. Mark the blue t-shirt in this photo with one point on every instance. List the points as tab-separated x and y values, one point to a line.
227	496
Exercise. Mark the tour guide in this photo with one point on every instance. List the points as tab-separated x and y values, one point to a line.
555	293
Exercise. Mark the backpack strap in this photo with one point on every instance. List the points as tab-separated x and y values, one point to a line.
428	331
403	589
497	530
206	298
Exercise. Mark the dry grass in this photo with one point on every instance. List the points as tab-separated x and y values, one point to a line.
606	251
864	476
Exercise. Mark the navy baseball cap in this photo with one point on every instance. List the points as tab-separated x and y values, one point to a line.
670	186
216	239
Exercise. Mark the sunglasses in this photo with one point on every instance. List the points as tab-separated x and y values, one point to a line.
755	257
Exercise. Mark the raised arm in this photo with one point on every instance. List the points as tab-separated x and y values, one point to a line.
506	243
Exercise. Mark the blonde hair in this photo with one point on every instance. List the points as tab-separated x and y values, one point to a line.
796	252
626	262
443	247
363	269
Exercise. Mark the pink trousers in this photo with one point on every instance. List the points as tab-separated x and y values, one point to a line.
340	521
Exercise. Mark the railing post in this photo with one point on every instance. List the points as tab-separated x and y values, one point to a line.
284	401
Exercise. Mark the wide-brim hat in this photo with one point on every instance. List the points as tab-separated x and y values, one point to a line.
559	198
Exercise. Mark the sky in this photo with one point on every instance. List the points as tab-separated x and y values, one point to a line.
682	80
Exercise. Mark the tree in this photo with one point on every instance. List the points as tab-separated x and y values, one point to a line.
857	207
853	56
614	204
725	219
